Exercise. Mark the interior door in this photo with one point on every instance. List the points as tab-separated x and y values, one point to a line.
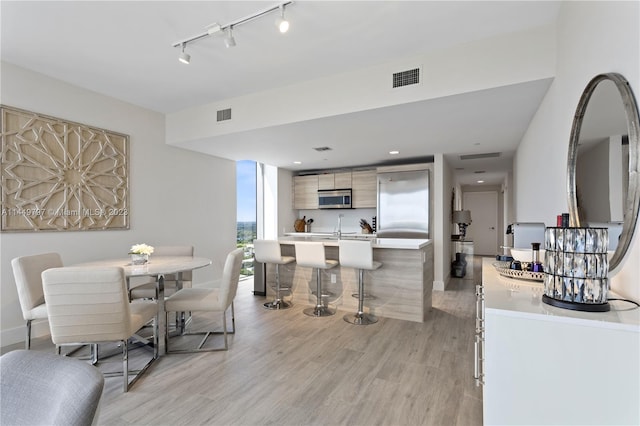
483	230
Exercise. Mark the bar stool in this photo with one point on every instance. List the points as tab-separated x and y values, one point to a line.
312	255
268	251
358	255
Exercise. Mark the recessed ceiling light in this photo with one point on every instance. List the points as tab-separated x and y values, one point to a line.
480	181
394	152
297	162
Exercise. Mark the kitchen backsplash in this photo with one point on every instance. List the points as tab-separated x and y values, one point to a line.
327	220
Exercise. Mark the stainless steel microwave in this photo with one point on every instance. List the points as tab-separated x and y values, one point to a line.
334	199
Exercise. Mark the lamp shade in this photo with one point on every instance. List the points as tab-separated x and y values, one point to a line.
461	216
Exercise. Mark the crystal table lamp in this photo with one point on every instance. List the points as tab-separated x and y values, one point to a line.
576	268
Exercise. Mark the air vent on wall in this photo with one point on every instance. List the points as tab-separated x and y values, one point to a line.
406	78
224	114
479	156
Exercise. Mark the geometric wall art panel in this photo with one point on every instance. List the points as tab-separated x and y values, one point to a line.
62	176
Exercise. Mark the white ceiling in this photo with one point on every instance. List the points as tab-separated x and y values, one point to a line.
124	49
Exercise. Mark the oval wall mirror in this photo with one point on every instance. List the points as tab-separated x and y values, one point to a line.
603	180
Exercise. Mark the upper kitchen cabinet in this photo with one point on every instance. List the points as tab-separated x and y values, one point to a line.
305	192
340	180
365	191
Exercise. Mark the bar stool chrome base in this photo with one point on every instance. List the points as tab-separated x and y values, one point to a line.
366	296
324	294
360	319
319	311
277	304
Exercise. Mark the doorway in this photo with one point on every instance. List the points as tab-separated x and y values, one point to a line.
483	230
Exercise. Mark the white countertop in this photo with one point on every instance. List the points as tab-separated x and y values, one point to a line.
523	298
332	241
346	235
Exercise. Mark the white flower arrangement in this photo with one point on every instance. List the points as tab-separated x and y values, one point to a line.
141	249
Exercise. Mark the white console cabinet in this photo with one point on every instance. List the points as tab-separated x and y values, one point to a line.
550	366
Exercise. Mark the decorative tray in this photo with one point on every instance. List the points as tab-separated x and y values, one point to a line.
504	270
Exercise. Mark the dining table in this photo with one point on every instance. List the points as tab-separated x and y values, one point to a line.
157	267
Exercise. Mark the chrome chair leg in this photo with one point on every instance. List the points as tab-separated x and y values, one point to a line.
225	332
125	364
278	303
27	341
360	318
319	310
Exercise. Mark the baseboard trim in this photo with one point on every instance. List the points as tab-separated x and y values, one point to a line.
15	335
439	285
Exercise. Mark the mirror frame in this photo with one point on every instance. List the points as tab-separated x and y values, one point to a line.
633	194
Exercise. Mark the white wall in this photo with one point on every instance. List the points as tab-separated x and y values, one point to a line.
443	187
286	214
271	191
176	196
592	38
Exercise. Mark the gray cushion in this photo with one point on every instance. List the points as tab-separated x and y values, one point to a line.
40	388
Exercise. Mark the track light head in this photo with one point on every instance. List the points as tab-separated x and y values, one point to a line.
281	22
229	41
184	57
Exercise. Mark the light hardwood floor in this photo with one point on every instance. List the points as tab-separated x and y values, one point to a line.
286	368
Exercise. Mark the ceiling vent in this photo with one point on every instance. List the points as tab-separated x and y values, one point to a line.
480	156
406	78
322	148
224	114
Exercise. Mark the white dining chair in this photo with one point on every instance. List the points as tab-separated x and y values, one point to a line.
216	300
27	272
90	305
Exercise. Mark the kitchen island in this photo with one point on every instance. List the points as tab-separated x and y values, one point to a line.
401	288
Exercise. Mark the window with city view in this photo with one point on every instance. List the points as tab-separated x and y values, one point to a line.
246	214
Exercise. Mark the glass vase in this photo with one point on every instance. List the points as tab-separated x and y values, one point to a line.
139	259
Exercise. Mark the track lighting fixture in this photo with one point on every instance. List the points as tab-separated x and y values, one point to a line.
227	29
184	57
281	22
229	41
213	28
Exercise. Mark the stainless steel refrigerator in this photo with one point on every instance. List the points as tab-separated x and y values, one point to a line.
403	204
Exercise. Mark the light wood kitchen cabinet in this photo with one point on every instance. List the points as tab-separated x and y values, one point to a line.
365	189
342	180
329	181
305	192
